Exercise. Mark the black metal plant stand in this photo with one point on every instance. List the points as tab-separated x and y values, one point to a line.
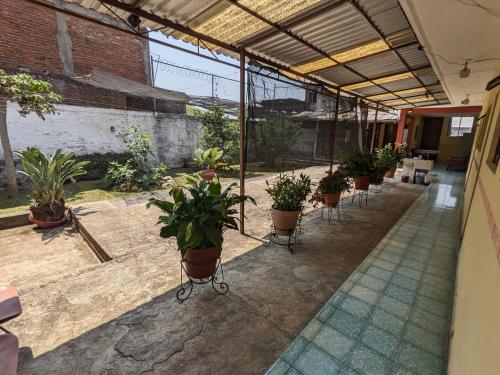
360	194
218	284
329	211
290	238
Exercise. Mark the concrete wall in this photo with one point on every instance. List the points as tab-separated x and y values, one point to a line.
87	130
475	345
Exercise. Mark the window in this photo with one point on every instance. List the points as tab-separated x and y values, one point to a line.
460	126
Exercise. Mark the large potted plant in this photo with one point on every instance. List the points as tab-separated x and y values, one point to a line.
359	165
48	174
332	186
289	193
208	160
198	216
388	158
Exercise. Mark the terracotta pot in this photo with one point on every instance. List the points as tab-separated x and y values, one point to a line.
284	221
47	224
390	173
362	182
200	263
209	174
52	212
332	199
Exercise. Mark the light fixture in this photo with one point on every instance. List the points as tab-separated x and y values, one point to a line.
466	100
134	20
465	72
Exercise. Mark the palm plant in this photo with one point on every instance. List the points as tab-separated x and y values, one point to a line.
208	159
48	174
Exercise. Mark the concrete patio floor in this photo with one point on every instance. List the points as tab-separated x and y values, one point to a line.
121	317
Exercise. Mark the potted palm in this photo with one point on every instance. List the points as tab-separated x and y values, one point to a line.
388	158
208	160
289	193
359	165
48	174
332	186
198	216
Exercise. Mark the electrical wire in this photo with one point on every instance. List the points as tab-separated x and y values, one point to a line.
468	61
474	3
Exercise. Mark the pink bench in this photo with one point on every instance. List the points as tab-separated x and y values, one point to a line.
10	307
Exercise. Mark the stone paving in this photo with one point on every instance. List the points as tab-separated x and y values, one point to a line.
391	316
121	317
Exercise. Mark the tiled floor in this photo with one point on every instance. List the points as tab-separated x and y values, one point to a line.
391	315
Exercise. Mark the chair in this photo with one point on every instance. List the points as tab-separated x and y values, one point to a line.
10	308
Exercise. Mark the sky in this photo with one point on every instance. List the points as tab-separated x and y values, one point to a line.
192	83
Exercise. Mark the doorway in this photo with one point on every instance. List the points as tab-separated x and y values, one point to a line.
431	133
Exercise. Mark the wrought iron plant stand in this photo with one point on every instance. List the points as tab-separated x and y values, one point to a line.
218	283
291	238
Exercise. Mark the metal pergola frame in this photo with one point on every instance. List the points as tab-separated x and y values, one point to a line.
243	53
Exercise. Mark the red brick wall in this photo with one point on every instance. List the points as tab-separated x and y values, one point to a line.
28	40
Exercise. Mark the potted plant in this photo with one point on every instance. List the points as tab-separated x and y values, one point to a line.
48	174
331	187
208	160
289	193
388	158
359	165
198	216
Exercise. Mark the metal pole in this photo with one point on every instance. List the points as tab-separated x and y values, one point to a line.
333	129
374	129
242	139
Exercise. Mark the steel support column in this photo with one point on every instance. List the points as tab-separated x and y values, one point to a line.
374	129
333	129
242	139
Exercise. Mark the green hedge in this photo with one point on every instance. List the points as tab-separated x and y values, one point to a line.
98	165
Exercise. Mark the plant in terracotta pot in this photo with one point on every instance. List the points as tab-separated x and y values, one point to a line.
48	174
289	192
209	160
332	186
359	165
388	158
198	216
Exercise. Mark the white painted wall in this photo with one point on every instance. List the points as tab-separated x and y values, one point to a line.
87	130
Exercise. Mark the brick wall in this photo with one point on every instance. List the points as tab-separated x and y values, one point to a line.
28	39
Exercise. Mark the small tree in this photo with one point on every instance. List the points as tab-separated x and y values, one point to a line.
32	96
221	132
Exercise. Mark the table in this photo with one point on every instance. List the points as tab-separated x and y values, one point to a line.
410	166
428	153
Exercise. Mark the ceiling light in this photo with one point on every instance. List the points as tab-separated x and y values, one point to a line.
465	72
466	100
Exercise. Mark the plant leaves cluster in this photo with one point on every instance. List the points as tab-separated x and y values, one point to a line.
333	183
356	163
289	192
199	214
208	159
388	157
48	174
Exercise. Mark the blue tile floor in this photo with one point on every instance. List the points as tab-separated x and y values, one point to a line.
391	316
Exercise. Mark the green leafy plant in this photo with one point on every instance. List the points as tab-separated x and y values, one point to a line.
48	174
356	163
208	159
136	173
388	158
99	164
221	132
333	183
274	138
32	96
199	214
289	192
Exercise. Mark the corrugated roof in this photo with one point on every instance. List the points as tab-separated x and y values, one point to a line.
293	32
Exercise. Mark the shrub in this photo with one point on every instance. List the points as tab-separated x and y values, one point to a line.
356	163
333	183
221	132
98	164
289	192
